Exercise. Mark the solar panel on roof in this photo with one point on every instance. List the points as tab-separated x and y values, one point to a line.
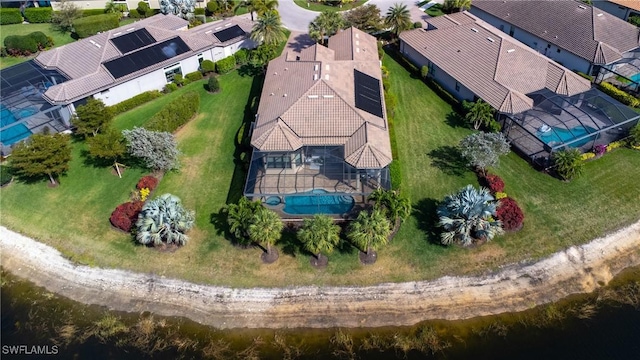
133	41
230	33
367	91
146	57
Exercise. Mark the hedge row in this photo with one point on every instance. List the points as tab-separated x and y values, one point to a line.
91	25
176	113
10	16
225	65
38	14
619	95
194	76
18	45
135	101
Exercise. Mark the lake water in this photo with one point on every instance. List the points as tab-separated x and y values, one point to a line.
608	329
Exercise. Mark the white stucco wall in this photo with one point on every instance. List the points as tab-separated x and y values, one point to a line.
153	81
564	57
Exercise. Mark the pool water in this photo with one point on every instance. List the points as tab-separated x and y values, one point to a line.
17	132
635	78
317	204
557	135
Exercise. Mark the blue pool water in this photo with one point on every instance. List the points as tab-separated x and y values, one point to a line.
318	204
17	132
273	200
636	78
557	136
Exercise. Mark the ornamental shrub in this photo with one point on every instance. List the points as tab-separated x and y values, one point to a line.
494	183
170	87
199	11
212	7
510	214
92	12
225	65
587	156
134	14
417	25
176	113
634	137
619	95
143	9
194	76
125	215
27	44
91	25
207	66
5	175
241	56
149	182
38	14
10	16
135	101
213	85
600	149
568	163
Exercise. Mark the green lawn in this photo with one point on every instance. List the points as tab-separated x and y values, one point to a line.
59	38
74	216
319	6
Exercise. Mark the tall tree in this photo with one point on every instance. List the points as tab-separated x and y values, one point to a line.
483	150
265	229
366	18
478	113
264	6
398	18
468	216
326	24
158	150
64	16
109	145
92	117
240	216
42	155
369	231
319	235
180	8
268	29
164	220
395	206
451	6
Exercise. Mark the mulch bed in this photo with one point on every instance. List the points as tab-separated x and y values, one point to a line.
166	248
368	259
270	258
319	262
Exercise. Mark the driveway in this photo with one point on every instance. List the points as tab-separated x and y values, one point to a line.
296	18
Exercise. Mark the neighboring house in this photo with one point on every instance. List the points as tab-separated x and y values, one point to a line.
620	8
100	4
577	35
321	125
112	66
542	105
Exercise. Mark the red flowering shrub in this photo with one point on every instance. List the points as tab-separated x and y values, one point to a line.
148	182
125	215
510	214
494	183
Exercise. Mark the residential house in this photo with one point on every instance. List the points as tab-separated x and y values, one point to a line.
620	8
100	4
321	125
112	66
577	35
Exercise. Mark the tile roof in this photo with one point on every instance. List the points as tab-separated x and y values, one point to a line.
494	66
571	25
312	95
631	4
82	60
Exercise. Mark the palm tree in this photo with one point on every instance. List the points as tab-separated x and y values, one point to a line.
259	6
451	6
319	235
398	18
265	229
163	220
369	231
268	29
468	216
239	218
568	163
478	113
395	207
326	24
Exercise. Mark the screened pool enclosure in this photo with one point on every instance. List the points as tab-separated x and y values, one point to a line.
557	122
311	180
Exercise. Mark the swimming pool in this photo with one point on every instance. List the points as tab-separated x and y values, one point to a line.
636	78
557	136
17	132
317	204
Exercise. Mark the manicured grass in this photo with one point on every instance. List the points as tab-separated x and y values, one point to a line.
59	39
320	6
74	216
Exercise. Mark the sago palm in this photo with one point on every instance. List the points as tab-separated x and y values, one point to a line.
268	29
319	235
265	228
398	18
369	231
239	217
468	215
164	220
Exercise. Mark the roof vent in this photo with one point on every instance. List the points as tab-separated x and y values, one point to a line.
275	73
582	7
327	96
490	39
208	31
271	94
315	67
118	33
131	29
357	35
315	77
328	67
358	42
599	14
285	69
313	96
326	77
556	36
218	28
284	95
474	29
511	50
227	25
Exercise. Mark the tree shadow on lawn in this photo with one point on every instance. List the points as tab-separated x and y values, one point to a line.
449	160
425	213
455	120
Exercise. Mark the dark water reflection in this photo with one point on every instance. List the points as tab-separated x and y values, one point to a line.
605	325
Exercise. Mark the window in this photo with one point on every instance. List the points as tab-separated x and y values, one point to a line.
501	27
170	72
432	69
535	44
200	59
457	86
558	50
511	30
279	162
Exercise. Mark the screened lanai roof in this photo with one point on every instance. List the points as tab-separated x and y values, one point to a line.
579	121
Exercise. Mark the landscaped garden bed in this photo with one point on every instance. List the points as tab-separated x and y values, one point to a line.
73	217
